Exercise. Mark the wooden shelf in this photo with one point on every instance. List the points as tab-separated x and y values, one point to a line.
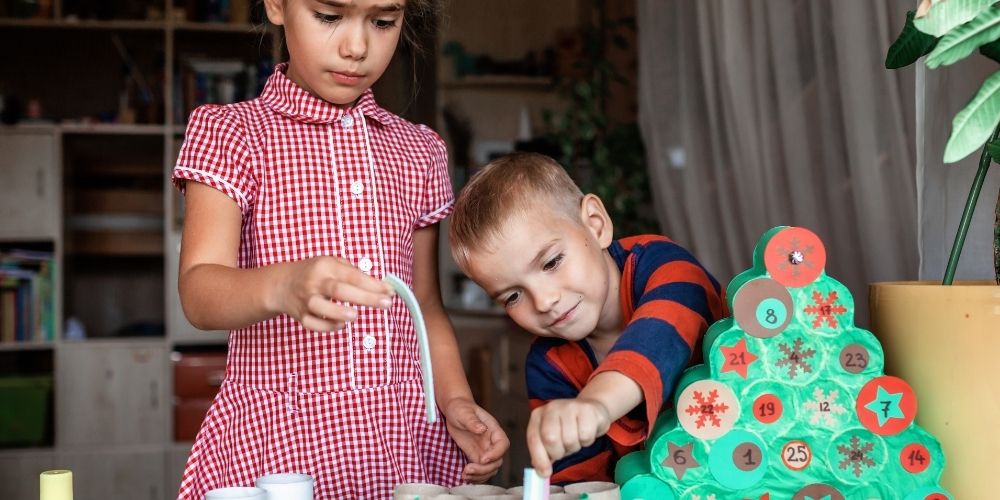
111	128
117	24
135	24
249	29
26	346
500	82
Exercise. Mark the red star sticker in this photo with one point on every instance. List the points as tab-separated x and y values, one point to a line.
737	358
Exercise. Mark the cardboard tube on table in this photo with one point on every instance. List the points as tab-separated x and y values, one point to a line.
595	490
287	486
243	492
478	490
415	491
55	485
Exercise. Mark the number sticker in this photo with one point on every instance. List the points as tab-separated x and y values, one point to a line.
767	408
854	358
796	455
762	307
915	458
747	457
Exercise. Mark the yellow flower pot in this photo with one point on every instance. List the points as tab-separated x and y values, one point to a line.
945	341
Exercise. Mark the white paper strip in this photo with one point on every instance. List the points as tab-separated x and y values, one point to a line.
413	306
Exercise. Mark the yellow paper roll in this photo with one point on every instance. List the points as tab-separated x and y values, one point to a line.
55	485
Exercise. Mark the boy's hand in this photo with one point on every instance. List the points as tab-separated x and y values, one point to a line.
562	427
479	435
311	289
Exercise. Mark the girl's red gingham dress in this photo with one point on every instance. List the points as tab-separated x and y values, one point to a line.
345	407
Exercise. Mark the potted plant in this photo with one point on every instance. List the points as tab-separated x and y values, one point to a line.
941	338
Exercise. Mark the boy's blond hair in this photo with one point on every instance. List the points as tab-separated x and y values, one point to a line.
506	187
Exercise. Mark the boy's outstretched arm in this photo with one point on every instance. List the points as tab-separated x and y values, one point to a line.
475	431
564	426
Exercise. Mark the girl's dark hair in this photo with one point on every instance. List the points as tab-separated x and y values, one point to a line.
421	21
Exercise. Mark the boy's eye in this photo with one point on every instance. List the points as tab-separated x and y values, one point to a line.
553	263
326	18
511	299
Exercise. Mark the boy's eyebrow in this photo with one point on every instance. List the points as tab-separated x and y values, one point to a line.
388	7
541	253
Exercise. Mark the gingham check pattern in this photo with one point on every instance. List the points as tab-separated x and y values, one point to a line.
313	179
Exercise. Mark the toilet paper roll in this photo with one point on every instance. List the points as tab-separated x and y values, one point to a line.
246	493
414	491
447	496
595	490
55	485
519	490
477	490
499	497
287	486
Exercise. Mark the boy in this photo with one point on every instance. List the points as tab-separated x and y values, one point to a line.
617	321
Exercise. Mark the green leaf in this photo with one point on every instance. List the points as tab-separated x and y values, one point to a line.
991	50
966	38
909	46
945	15
974	124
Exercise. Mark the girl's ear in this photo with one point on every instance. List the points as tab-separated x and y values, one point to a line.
275	11
596	219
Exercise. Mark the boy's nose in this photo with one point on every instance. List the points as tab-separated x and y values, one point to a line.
545	300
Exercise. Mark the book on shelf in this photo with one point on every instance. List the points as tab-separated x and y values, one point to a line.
27	312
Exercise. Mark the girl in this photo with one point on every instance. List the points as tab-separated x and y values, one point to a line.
298	202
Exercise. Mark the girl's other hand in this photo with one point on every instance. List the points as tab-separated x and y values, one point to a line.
479	435
311	289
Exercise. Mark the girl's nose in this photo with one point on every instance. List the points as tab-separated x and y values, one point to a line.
354	44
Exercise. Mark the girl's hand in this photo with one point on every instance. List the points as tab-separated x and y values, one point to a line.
562	427
479	435
311	287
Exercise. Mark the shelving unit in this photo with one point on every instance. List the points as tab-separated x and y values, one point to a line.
96	190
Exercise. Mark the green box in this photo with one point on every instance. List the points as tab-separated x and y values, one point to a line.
24	410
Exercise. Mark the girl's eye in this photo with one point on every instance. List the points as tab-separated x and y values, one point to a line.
511	299
384	24
326	18
554	263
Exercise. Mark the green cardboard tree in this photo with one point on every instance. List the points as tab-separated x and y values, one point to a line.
791	402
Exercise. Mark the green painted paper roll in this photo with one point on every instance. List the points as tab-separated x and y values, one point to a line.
632	465
646	487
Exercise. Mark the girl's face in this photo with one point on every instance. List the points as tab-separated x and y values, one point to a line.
552	274
338	48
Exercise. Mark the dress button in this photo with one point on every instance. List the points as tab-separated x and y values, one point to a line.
357	187
365	264
368	342
347	121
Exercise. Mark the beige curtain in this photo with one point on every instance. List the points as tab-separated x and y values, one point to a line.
757	114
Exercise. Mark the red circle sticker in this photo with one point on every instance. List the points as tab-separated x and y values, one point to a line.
915	458
936	496
767	408
886	405
794	256
796	455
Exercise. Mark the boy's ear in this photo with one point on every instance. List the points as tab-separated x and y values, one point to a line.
596	219
275	11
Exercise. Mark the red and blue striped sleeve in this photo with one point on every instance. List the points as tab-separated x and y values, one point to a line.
558	369
669	300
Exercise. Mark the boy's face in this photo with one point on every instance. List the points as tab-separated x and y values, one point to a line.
338	49
550	273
